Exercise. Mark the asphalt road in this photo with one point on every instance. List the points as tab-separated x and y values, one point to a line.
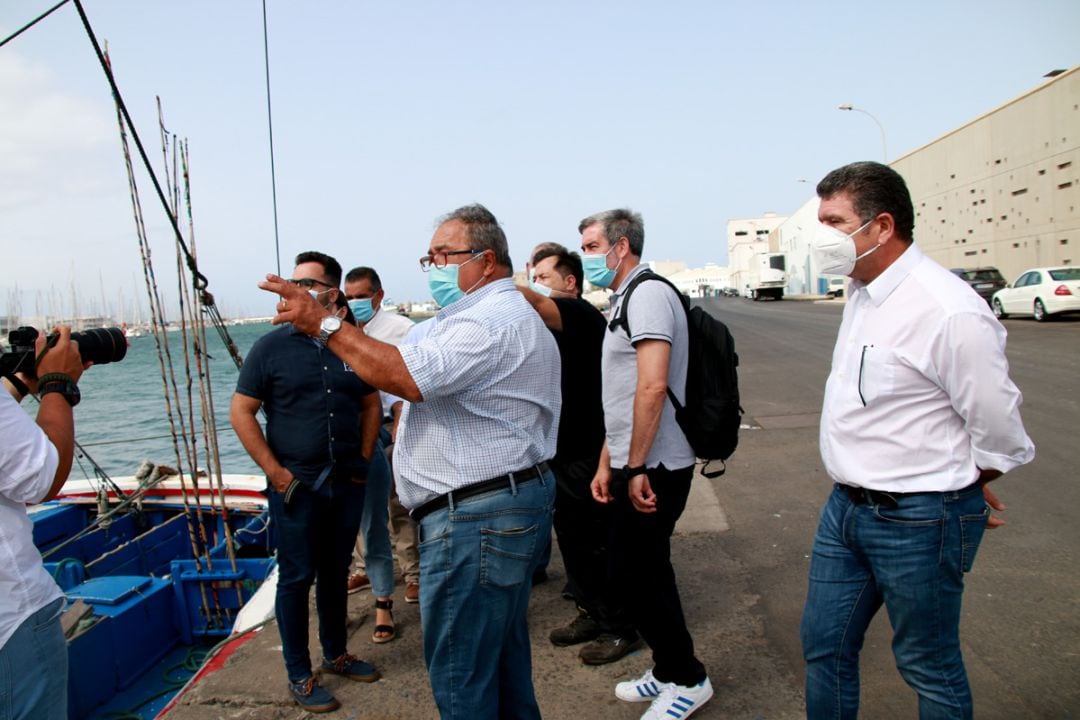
741	553
1021	623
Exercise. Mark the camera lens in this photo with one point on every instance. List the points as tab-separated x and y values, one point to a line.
101	345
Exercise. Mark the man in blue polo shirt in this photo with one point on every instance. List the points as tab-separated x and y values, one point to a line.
321	425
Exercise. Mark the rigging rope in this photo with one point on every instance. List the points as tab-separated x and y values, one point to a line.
46	14
158	324
270	125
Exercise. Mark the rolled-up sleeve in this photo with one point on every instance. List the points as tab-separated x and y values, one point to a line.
969	353
28	459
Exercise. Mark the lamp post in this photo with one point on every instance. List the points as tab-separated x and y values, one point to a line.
884	153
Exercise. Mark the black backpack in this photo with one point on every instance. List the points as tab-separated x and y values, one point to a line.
711	417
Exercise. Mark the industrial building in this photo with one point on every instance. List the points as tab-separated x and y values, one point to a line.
1002	190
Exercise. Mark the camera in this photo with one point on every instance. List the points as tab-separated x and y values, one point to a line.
98	345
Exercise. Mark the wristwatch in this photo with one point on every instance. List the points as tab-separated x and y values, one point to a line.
330	325
61	383
634	471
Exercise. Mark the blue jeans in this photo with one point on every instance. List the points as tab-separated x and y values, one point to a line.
375	524
315	536
34	668
476	563
911	558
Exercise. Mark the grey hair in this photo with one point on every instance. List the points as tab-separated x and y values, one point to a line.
618	223
483	231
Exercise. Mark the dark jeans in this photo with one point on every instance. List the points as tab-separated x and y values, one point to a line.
582	526
315	536
911	558
641	567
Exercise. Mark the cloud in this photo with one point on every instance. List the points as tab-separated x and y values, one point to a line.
51	141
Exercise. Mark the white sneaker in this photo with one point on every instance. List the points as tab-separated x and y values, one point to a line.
645	689
677	701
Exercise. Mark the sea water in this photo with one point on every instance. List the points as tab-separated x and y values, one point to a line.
123	417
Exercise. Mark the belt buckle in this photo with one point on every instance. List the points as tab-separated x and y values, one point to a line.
885	499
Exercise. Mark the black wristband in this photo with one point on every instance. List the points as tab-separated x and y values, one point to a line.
634	471
59	383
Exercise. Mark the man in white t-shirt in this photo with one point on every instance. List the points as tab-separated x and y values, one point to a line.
373	562
34	463
646	464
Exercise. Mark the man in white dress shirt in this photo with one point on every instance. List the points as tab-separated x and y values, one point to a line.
919	416
34	463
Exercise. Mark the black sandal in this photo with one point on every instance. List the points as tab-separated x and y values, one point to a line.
389	631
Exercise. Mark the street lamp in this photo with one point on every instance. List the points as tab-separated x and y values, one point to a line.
884	153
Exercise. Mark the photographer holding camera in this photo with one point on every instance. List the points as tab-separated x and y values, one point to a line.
34	463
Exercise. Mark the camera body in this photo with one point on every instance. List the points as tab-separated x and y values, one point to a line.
98	345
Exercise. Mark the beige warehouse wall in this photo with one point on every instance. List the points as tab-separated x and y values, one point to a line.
1003	190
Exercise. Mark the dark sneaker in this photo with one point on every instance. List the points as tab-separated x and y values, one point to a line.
608	648
582	629
313	697
351	667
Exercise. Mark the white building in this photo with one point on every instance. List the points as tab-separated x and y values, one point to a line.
1002	190
701	282
747	237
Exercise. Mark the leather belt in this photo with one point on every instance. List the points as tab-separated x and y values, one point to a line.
866	496
500	483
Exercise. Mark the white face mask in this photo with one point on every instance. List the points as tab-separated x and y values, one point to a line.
834	250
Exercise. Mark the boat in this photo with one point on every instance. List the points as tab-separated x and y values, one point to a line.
157	573
165	568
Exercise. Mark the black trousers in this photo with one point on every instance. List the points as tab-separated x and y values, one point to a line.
641	567
582	527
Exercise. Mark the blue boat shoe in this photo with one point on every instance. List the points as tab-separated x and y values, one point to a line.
313	697
351	667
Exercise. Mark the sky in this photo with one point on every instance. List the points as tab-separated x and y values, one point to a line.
387	115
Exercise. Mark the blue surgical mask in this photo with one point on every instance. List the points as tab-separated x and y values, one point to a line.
362	309
318	295
596	270
443	283
540	288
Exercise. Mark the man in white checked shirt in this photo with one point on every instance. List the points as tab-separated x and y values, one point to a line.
470	460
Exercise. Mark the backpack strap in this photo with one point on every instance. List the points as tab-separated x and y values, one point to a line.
621	319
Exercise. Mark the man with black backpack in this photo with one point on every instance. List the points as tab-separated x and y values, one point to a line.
647	463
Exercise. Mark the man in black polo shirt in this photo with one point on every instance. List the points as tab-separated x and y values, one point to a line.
321	425
581	524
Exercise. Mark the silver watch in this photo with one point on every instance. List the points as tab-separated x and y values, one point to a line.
330	325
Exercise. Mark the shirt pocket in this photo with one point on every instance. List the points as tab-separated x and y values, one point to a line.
877	374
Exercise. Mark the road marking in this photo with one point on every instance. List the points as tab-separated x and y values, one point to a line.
703	512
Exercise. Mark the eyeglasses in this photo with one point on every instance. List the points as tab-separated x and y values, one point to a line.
439	258
308	283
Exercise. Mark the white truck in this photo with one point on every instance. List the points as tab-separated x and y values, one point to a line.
765	278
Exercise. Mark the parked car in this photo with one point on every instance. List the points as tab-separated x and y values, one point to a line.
1040	292
986	281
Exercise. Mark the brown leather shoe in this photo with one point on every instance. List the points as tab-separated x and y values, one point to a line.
358	581
608	648
412	592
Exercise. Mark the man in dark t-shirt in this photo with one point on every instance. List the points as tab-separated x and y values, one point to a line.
321	425
581	524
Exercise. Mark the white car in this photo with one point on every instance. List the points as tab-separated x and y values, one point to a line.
1040	292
